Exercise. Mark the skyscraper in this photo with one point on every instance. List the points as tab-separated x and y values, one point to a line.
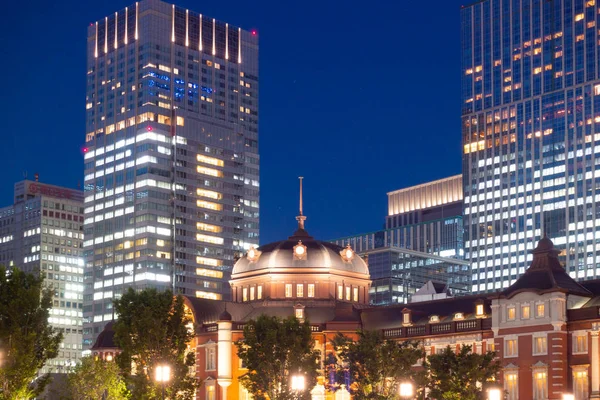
171	154
42	234
531	134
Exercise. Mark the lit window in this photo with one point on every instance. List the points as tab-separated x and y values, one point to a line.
580	382
211	394
299	313
210	160
252	290
299	290
406	318
510	348
340	292
210	171
209	228
211	358
348	293
434	319
208	261
580	343
459	316
355	294
525	312
479	310
259	292
540	385
209	205
207	295
245	294
209	193
579	17
311	290
209	239
288	290
511	385
539	345
539	311
510	313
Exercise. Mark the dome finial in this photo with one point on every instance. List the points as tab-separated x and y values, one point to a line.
301	218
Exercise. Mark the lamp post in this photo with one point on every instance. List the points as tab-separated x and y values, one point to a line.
568	396
163	375
494	394
298	383
407	390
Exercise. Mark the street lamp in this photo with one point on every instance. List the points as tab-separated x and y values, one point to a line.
163	375
407	390
494	394
568	396
298	383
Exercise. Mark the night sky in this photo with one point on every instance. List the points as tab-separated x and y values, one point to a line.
360	99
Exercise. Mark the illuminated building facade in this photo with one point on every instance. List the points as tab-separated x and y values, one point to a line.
171	154
42	233
423	241
531	133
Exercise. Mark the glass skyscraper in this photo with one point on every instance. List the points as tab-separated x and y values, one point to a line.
531	135
171	154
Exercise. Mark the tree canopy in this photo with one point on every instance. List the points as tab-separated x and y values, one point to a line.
95	379
274	350
152	329
372	367
460	375
27	340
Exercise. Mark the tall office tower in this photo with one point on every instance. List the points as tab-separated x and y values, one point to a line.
42	233
423	241
531	133
171	156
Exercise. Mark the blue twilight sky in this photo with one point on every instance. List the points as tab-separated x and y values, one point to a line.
360	98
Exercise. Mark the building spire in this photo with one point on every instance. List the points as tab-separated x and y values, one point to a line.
301	218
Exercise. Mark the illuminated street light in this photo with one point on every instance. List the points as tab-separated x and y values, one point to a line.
494	394
407	390
163	375
298	383
568	396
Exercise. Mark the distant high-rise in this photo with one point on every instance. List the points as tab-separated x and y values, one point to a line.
171	154
423	241
531	135
42	234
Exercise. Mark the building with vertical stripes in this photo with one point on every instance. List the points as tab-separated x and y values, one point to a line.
171	154
531	135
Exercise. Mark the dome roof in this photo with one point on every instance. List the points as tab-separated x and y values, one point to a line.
319	255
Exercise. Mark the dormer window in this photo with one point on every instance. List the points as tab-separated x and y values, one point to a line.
459	316
406	317
299	312
479	310
434	319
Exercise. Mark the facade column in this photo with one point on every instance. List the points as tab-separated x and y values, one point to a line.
595	363
224	356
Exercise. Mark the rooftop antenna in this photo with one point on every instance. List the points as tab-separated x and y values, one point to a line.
301	218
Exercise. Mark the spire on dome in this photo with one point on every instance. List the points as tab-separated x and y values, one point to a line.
300	218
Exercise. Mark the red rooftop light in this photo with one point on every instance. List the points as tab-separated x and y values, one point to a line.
85	149
149	129
254	31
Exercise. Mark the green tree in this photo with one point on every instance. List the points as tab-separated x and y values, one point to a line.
274	350
95	378
460	375
152	329
27	341
373	366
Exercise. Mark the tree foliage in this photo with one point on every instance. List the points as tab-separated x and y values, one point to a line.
27	341
372	367
273	350
152	329
95	379
460	375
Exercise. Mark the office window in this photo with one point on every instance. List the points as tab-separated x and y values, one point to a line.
355	294
510	348
511	385
539	311
245	294
580	382
288	290
311	290
525	312
511	313
211	361
539	345
300	290
259	292
540	385
580	343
